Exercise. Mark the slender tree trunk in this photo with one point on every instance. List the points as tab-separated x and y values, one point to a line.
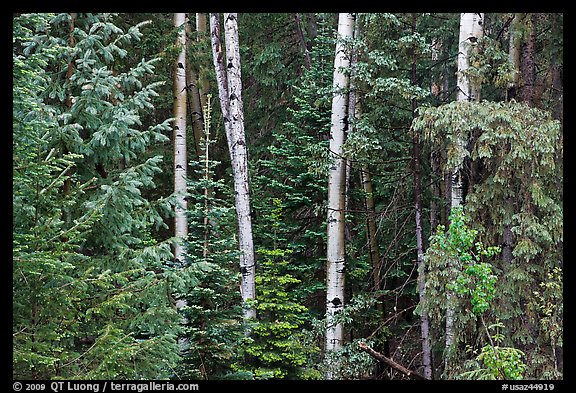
201	24
207	174
471	29
239	154
202	34
424	323
196	117
514	54
514	50
311	29
180	160
371	229
220	69
336	197
527	61
302	41
69	73
230	93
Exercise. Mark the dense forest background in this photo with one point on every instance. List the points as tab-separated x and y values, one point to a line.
471	290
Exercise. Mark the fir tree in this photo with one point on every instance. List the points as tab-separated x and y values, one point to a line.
213	313
115	291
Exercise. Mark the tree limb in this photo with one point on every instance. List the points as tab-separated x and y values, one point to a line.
390	362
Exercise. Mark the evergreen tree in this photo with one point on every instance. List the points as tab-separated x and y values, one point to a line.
95	285
214	329
115	290
296	168
278	347
504	147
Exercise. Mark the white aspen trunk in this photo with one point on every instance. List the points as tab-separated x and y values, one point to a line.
336	190
180	160
239	155
471	29
424	323
234	126
219	67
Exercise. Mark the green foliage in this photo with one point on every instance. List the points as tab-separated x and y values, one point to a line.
214	331
477	282
500	362
277	346
515	199
349	363
489	64
94	285
474	282
89	287
547	305
293	170
503	363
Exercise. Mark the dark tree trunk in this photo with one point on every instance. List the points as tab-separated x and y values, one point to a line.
527	62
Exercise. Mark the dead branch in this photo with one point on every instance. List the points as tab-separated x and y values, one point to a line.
390	362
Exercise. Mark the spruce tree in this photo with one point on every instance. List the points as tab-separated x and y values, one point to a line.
115	290
214	329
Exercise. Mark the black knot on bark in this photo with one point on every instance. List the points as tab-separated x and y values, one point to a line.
180	65
336	301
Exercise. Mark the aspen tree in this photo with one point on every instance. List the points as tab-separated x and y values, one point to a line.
229	81
180	160
336	189
471	30
424	323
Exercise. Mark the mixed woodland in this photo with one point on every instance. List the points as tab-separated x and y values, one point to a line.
297	196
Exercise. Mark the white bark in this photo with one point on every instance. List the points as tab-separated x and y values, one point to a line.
239	155
471	30
230	94
180	160
336	190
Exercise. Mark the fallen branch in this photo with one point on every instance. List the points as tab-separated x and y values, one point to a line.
390	362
